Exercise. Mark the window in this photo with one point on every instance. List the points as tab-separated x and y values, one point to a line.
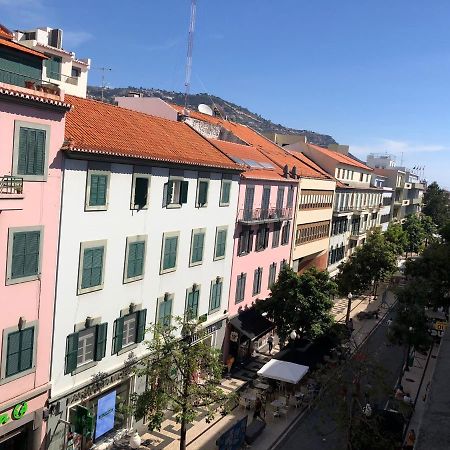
280	199
285	234
245	241
76	72
192	300
313	199
135	258
164	313
225	191
221	242
283	264
139	194
91	272
311	232
265	201
197	245
24	254
85	346
53	67
175	192
215	296
128	330
31	147
272	274
169	252
97	190
257	277
290	197
296	264
240	287
248	202
202	193
262	238
276	234
19	351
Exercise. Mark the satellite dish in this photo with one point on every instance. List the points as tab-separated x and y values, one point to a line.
205	109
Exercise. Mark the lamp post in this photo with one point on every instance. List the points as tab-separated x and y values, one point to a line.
349	306
410	330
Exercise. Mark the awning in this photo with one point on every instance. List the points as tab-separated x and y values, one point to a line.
283	371
252	324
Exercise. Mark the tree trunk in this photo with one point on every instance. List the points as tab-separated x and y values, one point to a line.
183	432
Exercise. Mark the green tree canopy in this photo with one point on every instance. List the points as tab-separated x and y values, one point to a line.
300	302
415	233
436	204
182	376
397	237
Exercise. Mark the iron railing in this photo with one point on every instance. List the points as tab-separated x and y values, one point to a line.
11	185
27	81
261	215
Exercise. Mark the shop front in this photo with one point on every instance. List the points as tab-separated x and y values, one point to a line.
247	332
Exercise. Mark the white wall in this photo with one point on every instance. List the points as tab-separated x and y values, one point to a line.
115	225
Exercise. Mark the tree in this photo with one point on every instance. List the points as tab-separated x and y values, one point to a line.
436	204
429	228
415	234
182	376
300	302
397	237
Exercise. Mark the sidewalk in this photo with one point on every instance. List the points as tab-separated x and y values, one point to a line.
202	435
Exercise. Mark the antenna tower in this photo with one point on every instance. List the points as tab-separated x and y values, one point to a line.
103	86
187	80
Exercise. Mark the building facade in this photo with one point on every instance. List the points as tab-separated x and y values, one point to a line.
32	129
61	67
172	197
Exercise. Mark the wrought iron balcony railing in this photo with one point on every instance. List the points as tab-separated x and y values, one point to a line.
11	185
264	215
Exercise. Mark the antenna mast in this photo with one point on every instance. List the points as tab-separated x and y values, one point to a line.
103	86
187	80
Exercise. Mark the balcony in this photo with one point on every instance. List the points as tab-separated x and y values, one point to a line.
28	82
419	186
416	201
260	215
11	193
408	186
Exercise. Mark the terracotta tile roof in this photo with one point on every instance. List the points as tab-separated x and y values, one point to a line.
5	33
28	94
248	152
339	157
96	127
272	151
21	48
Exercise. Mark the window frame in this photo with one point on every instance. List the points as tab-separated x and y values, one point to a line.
179	203
257	279
147	177
239	278
228	182
124	314
5	333
272	278
134	240
196	231
202	180
11	232
89	174
189	291
218	230
85	246
161	300
166	235
215	282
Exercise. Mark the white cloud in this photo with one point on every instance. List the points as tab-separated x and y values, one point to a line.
397	147
166	45
76	38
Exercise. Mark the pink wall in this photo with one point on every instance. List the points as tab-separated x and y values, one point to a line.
32	300
264	258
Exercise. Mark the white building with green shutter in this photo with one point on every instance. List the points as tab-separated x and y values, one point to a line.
143	237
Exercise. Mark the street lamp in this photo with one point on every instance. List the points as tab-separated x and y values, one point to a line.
349	306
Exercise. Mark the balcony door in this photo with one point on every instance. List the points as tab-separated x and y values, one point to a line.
248	202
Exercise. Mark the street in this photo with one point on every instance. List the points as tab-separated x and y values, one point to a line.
316	430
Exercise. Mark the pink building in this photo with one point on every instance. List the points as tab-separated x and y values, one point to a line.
32	130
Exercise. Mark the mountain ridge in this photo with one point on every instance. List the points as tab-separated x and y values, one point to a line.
229	109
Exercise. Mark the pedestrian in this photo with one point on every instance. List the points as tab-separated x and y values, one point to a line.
258	408
270	343
230	362
410	440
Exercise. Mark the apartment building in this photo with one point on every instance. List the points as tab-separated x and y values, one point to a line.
61	67
147	222
357	204
379	181
32	130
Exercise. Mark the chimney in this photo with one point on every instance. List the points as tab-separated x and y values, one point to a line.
338	148
286	171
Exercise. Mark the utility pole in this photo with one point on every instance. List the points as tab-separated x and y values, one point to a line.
187	80
103	86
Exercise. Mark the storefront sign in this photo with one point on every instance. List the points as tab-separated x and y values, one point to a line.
16	413
106	410
210	329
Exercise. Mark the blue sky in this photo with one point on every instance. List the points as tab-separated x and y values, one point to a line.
373	74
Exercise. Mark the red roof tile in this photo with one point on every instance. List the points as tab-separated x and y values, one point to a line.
21	48
272	151
339	157
97	127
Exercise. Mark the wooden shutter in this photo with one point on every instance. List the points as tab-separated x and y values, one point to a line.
290	198
221	243
280	198
225	197
141	322
32	253
26	348
71	353
266	237
13	353
23	149
97	266
248	202
197	247
98	188
136	251
39	151
170	252
100	341
164	312
255	281
18	255
184	191
202	193
118	335
265	200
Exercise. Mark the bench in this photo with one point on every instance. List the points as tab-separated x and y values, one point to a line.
254	430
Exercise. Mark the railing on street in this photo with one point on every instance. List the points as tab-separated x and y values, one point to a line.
261	215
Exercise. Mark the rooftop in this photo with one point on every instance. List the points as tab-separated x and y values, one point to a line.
96	127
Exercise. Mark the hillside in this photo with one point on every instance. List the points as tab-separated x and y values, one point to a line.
233	112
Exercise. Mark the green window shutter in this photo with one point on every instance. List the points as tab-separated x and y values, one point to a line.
31	157
100	341
226	188
71	353
39	152
141	323
197	247
18	255
202	193
192	305
165	312
92	267
26	349
184	191
169	192
140	192
13	354
170	252
23	148
136	251
216	296
98	189
221	243
118	335
25	254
